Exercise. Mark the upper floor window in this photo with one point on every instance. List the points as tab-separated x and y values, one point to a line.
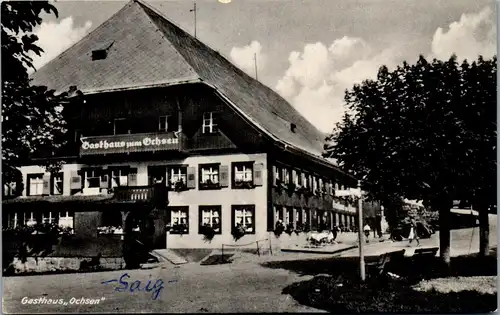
57	184
35	182
209	123
166	123
178	175
242	175
121	126
92	178
209	176
157	174
119	177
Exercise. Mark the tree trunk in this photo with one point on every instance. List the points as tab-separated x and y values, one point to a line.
484	231
444	235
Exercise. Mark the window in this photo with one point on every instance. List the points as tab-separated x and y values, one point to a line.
164	123
50	217
286	175
178	174
157	174
306	181
211	216
298	179
66	219
179	220
209	124
57	184
9	189
209	176
315	184
244	215
29	218
119	177
35	182
242	175
121	126
111	223
289	216
92	178
278	213
277	173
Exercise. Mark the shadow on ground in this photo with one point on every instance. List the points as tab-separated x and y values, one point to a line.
336	286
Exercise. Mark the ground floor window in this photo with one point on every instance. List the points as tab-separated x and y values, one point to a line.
66	219
111	223
179	220
211	216
50	217
289	216
278	214
244	215
29	218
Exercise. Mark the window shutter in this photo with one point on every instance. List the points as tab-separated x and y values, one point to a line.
257	174
224	175
46	184
104	183
274	175
304	180
191	177
76	180
330	188
320	184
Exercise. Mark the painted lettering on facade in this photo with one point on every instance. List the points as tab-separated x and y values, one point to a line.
128	143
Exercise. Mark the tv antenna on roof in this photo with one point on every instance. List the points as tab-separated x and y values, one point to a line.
194	11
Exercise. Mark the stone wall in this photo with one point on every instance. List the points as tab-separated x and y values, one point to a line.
62	264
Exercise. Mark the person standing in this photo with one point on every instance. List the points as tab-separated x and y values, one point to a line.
413	232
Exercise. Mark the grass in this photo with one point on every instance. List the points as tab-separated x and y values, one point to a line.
339	290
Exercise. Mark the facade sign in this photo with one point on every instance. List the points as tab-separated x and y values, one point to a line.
129	143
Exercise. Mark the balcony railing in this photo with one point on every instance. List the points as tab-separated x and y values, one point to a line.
128	143
136	193
157	194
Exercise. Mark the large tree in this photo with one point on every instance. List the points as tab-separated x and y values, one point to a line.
31	115
427	132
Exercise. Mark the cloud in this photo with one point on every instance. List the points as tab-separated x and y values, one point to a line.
471	36
317	77
243	57
56	37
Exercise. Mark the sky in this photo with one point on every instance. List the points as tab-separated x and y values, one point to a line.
309	51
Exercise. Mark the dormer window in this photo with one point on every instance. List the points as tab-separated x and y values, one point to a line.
209	123
293	127
99	54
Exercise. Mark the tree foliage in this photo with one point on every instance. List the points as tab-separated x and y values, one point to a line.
425	131
32	121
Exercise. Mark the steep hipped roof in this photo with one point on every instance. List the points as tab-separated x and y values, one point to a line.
147	49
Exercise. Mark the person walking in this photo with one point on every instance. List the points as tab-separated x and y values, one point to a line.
413	232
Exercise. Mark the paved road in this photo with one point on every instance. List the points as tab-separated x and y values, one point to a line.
246	287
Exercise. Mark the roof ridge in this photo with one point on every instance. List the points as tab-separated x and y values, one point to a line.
150	7
86	36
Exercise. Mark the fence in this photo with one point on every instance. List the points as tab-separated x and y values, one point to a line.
248	244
